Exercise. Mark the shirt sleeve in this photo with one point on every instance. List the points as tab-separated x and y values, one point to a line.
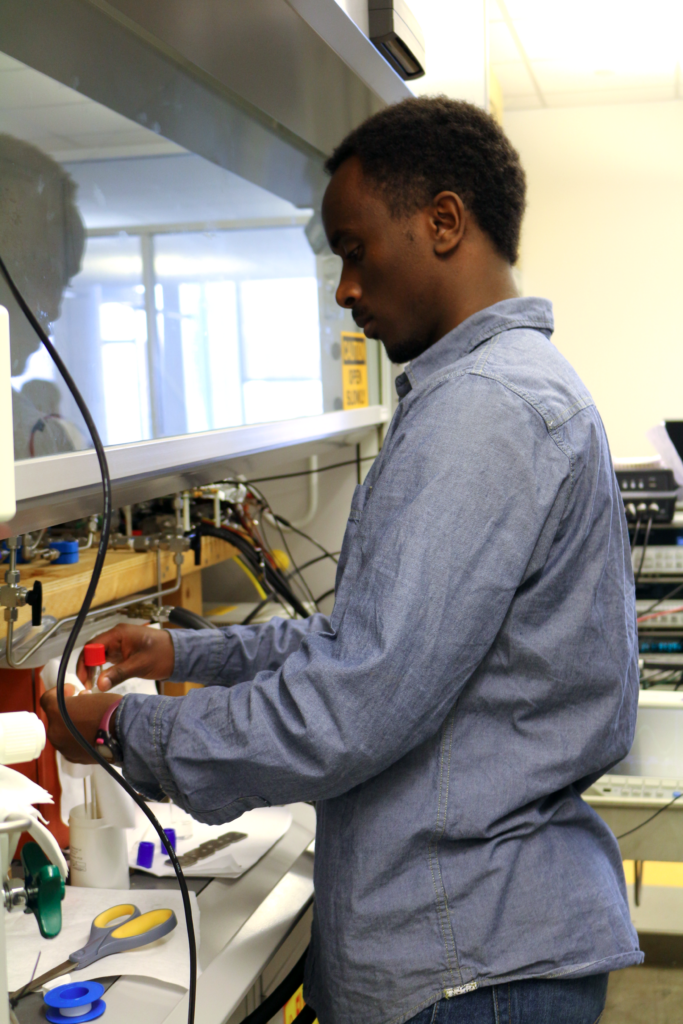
462	512
237	653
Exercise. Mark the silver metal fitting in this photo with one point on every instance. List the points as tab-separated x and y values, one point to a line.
14	894
147	610
12	595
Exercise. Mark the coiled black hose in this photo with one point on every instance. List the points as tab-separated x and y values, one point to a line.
272	577
189	620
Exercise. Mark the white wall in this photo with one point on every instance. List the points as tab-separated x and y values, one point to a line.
456	49
455	43
603	239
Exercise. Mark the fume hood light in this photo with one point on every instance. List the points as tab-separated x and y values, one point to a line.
396	34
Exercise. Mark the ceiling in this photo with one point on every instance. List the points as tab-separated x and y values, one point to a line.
547	53
65	123
544	53
92	141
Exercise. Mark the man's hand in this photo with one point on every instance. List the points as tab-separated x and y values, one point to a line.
135	651
86	710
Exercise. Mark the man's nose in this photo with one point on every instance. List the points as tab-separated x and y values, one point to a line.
348	292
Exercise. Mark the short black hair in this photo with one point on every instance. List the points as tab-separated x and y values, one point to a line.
417	148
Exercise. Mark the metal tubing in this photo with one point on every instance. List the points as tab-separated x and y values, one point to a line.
107	609
29	550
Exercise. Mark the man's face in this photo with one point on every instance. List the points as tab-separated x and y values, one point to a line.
389	276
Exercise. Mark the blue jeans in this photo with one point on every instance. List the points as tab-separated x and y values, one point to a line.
536	1001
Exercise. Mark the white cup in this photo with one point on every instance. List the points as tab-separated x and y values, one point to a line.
99	852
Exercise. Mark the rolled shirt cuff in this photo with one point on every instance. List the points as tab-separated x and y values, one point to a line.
199	654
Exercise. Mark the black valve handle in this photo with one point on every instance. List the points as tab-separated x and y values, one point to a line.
196	546
35	599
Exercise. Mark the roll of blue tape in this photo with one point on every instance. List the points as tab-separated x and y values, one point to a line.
75	1002
68	550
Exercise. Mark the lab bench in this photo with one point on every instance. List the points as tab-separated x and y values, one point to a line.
253	929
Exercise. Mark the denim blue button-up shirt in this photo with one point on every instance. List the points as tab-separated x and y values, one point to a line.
478	672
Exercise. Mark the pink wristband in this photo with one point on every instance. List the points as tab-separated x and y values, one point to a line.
106	717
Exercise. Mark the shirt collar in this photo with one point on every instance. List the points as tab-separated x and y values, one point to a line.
503	316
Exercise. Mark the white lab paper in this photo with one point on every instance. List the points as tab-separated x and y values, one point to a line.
167	959
263	827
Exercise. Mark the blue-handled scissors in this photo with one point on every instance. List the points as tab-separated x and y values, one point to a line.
115	930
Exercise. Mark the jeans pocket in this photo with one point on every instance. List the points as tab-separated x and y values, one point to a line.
427	1016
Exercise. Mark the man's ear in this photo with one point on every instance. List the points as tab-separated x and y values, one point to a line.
447	221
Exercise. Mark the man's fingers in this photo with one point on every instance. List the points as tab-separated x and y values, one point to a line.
134	666
49	700
112	646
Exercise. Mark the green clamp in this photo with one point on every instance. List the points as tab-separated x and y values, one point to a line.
44	890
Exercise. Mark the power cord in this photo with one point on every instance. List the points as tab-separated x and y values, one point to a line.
304	472
667	597
272	577
644	551
80	619
647	821
636	531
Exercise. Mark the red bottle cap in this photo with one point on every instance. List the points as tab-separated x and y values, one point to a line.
94	654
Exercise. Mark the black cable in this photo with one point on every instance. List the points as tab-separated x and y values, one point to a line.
295	529
322	597
303	472
636	530
80	619
644	551
307	1015
667	597
254	611
190	620
277	999
652	817
274	579
334	556
308	593
301	582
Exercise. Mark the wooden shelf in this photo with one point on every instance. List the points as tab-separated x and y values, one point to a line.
125	573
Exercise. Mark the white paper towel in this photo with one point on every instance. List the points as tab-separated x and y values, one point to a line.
263	827
167	959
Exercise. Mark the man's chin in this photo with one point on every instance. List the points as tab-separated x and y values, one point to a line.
402	350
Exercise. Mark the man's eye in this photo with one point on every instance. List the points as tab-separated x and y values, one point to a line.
355	254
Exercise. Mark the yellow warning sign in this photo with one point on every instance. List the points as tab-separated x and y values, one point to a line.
354	371
294	1006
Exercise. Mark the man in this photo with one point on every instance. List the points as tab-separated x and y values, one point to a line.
42	239
479	668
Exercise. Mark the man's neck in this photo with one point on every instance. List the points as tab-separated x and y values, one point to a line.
482	287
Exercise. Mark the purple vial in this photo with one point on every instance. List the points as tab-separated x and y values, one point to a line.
145	855
170	835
